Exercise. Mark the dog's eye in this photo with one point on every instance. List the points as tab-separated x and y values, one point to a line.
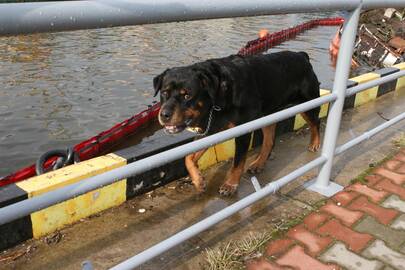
187	96
165	94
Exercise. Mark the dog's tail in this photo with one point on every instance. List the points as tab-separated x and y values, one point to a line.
305	55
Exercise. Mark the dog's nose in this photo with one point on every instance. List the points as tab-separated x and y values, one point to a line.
165	114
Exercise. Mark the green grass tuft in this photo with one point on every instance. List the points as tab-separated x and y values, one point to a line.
400	141
233	254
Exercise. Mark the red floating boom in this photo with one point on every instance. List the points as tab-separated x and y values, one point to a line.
270	40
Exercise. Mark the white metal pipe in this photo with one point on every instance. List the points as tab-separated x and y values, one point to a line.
24	18
339	88
219	216
367	135
371	4
367	85
28	206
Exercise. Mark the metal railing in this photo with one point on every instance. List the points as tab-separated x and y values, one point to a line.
23	18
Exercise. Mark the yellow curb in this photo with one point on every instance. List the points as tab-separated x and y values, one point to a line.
57	216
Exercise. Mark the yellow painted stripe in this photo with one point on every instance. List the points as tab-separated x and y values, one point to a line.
225	150
324	107
366	95
300	122
366	77
400	66
251	142
70	174
68	212
400	81
208	159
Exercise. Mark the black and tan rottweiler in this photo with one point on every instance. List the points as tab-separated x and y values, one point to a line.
217	94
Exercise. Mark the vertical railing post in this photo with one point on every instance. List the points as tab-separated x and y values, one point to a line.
322	184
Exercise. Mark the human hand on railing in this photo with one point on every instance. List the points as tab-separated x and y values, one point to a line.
334	50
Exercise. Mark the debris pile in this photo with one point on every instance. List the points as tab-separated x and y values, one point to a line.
381	38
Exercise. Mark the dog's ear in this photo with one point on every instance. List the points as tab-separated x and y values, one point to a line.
209	83
216	82
157	82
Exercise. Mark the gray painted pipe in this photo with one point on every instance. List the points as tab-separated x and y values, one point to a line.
24	18
371	4
367	85
368	134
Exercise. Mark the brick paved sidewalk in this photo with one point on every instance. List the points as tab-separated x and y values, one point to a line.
361	227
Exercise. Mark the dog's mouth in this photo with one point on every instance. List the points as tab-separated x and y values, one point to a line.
172	129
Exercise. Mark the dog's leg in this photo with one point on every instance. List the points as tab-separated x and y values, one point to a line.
311	117
195	174
233	178
269	132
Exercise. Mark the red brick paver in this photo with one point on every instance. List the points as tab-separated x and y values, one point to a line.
373	179
313	242
388	186
401	169
315	219
383	215
374	195
347	216
298	259
400	156
278	246
344	197
397	178
263	264
354	240
392	164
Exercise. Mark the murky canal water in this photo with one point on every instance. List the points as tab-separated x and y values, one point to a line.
61	88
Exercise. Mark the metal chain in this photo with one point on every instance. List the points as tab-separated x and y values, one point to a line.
214	108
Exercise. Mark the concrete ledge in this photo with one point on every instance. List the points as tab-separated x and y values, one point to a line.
53	218
57	216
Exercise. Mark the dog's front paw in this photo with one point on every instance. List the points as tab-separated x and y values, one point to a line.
227	189
255	168
200	184
314	147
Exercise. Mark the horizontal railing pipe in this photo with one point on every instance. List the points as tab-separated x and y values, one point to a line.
26	18
370	4
367	85
216	218
28	206
367	135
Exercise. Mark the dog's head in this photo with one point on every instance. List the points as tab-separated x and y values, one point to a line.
187	94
